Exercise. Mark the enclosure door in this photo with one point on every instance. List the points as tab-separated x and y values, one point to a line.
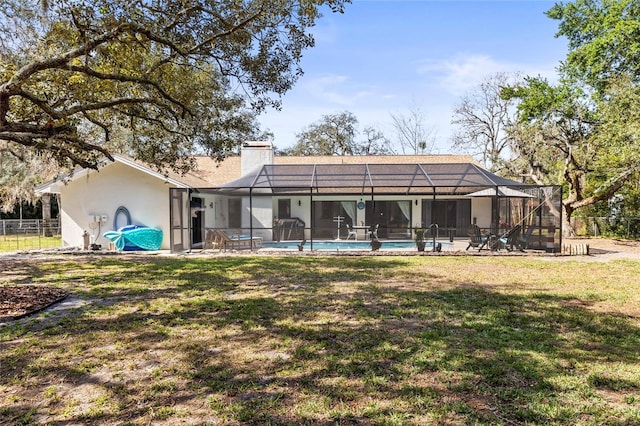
178	216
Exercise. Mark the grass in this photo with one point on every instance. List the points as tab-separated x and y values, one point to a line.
328	340
18	242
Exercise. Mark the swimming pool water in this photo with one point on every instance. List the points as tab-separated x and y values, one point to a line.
345	245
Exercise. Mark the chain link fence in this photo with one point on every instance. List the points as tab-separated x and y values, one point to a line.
29	234
627	227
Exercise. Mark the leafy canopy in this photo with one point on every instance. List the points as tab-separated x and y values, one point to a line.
152	79
583	131
604	39
336	134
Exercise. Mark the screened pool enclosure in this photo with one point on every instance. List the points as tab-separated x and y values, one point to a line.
314	202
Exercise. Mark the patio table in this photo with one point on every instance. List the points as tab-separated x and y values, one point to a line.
364	228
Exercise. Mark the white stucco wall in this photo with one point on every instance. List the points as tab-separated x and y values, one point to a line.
102	192
262	208
481	211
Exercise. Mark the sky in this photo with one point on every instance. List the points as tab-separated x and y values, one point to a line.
384	57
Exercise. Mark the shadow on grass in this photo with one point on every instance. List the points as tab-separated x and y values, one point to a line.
318	341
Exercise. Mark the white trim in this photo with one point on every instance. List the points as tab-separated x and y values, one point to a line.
54	186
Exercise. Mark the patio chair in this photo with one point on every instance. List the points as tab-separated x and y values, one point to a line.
373	235
351	232
476	239
509	240
523	241
238	241
212	240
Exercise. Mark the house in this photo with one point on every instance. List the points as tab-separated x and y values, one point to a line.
276	198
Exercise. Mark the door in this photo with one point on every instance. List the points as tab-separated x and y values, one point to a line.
197	222
178	217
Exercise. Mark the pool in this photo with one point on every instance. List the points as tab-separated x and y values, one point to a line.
347	245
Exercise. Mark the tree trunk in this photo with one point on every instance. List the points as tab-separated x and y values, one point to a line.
567	228
46	214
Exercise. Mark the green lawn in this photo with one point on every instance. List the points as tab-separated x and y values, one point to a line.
28	242
327	340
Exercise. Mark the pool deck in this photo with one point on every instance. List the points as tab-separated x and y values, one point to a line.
447	246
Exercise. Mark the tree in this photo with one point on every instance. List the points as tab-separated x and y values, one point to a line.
592	145
374	143
482	118
583	132
155	80
413	136
336	134
604	40
20	171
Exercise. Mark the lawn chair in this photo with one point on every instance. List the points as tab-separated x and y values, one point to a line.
476	239
238	241
509	240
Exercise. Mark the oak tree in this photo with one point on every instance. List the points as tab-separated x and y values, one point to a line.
583	132
337	134
591	147
603	38
152	79
333	134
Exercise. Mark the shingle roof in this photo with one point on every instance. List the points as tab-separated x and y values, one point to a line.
211	173
380	178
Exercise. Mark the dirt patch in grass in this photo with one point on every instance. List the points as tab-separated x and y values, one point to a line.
19	301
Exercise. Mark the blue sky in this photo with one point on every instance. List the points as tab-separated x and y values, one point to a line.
383	57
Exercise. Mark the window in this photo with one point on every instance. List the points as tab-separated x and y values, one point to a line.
235	213
284	208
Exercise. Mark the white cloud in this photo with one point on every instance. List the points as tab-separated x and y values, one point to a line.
338	91
458	75
461	73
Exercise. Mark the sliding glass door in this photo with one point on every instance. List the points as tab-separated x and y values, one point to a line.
331	217
452	217
393	218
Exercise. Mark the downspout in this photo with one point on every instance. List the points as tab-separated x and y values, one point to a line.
171	213
311	219
189	191
251	218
